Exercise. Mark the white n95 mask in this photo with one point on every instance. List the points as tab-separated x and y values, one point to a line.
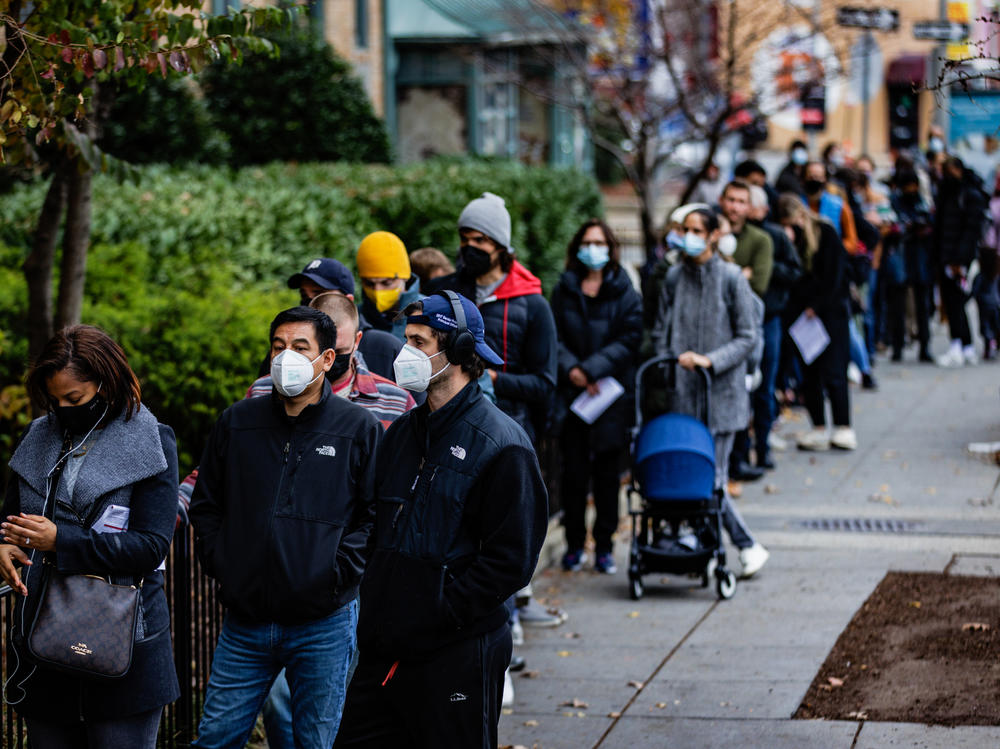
412	368
727	245
292	372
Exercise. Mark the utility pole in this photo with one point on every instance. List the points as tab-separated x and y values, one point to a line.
866	47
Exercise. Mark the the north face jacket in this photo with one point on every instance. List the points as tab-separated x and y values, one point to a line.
283	510
461	515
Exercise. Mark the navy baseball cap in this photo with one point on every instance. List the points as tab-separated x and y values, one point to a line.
326	272
437	312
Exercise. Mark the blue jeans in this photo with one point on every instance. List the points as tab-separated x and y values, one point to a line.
859	352
764	406
316	657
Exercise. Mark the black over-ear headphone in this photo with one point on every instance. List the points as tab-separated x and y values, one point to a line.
460	346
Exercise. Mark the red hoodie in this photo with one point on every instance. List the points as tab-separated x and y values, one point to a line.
519	282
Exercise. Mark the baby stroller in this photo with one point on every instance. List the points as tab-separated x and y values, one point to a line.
677	528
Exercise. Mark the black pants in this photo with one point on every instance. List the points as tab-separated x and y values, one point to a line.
581	471
897	316
450	701
827	375
953	300
130	732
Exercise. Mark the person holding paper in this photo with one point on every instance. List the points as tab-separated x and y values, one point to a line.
708	319
822	292
92	490
598	318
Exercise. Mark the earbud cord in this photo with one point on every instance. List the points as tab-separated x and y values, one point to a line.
28	568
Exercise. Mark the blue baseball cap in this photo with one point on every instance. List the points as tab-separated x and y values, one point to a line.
436	311
331	274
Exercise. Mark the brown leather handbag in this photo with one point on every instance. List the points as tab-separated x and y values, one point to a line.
84	624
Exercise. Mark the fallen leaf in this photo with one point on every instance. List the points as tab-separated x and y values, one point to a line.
677	702
915	604
975	627
507	711
633	614
858	715
834	681
636	684
809	481
581	714
575	702
932	490
530	723
564	653
529	674
723	704
572	635
614	714
661	705
863	667
825	688
770	488
568	714
884	488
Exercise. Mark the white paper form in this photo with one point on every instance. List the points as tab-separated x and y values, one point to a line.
589	407
810	336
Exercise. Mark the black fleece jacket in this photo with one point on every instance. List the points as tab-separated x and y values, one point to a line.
283	510
461	515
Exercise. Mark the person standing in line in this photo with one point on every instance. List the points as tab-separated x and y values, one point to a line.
114	506
598	318
387	282
708	319
821	292
461	516
282	512
519	327
958	229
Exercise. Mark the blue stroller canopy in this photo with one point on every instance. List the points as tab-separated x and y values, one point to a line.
675	459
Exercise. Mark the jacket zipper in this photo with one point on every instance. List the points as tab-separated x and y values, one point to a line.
270	517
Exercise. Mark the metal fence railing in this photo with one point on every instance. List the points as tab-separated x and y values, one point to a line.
195	621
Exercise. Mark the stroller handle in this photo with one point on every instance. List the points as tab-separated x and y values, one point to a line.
662	362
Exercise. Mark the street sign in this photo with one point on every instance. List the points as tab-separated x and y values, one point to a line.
941	31
880	19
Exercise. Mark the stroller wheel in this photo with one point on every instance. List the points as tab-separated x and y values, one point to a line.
725	584
635	588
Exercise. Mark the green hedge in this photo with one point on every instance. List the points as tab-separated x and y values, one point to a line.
188	268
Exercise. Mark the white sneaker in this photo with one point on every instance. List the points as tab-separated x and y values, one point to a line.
844	438
953	358
508	690
970	356
753	559
814	439
776	443
853	373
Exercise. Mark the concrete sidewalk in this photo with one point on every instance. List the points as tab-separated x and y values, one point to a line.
681	669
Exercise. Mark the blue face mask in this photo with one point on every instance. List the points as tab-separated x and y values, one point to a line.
694	245
594	256
675	241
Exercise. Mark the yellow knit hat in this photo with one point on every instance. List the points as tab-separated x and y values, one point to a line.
383	255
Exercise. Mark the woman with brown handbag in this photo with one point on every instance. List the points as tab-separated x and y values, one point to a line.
92	498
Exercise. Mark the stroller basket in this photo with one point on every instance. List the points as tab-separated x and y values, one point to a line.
675	459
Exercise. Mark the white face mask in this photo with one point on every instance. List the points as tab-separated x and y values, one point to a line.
727	245
292	372
412	368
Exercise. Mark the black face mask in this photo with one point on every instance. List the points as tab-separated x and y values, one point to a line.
813	186
341	363
475	262
81	418
911	198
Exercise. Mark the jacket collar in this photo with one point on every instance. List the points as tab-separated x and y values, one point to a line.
308	413
431	425
125	453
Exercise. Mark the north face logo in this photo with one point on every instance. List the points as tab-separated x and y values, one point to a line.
458	451
327	450
313	265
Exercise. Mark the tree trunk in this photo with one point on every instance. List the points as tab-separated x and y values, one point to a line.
76	241
38	265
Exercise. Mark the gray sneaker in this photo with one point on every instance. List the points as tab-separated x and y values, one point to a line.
533	614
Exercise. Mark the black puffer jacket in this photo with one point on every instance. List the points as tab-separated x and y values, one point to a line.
823	284
519	327
959	219
283	506
601	335
785	271
461	516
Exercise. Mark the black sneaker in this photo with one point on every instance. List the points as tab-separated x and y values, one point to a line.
868	382
605	564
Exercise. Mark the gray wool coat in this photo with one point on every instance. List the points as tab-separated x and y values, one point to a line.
710	310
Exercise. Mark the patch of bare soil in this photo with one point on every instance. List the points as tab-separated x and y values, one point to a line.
924	648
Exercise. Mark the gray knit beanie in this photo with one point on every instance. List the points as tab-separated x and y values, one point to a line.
489	215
